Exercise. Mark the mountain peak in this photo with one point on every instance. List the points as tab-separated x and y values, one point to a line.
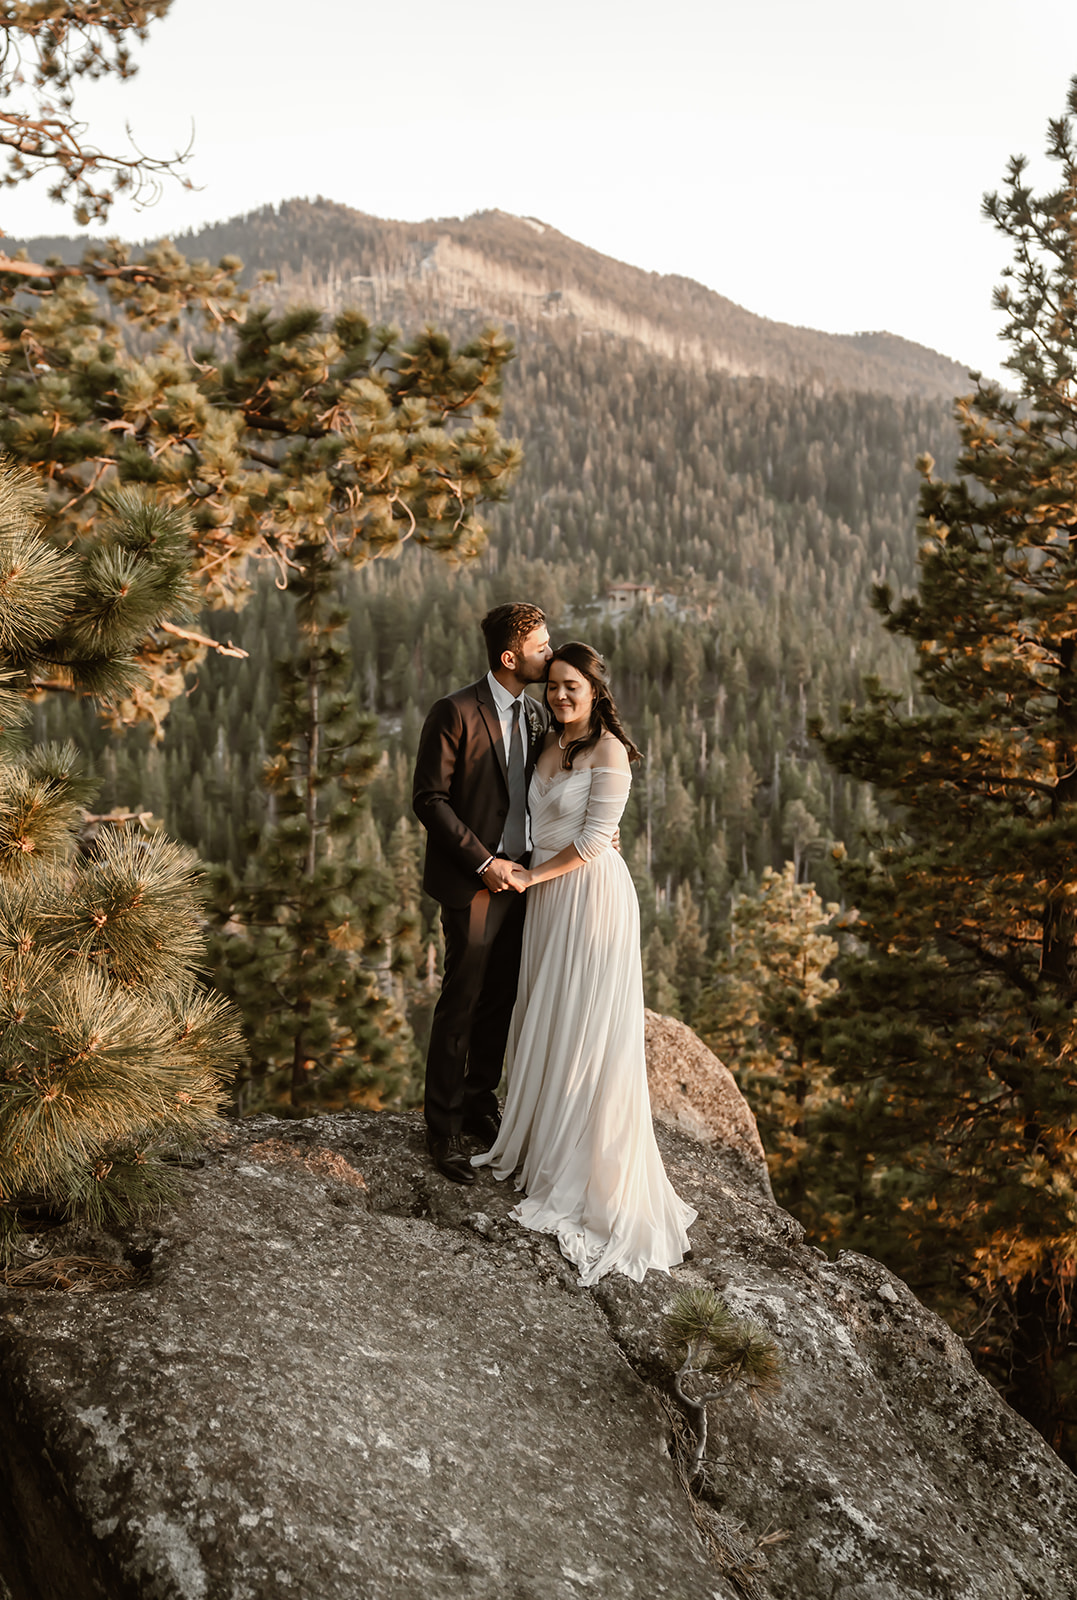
522	270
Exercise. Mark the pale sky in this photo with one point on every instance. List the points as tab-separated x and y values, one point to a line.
818	163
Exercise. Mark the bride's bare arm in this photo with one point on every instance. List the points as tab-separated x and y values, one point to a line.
566	860
609	792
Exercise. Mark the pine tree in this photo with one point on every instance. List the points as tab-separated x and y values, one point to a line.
759	1016
708	1341
112	1055
957	1024
271	430
304	932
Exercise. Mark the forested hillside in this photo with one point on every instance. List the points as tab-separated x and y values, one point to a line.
761	512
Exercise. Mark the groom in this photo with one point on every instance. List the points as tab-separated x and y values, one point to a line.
476	754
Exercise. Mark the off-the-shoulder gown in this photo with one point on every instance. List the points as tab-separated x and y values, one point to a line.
577	1128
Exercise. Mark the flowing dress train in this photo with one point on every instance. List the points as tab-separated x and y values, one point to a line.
577	1128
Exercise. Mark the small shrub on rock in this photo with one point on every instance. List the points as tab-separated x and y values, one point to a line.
711	1343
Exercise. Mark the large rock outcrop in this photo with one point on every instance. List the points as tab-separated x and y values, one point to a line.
335	1376
693	1091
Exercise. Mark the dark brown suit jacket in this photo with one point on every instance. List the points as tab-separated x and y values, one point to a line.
461	788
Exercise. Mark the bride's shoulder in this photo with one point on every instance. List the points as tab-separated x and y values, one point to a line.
610	752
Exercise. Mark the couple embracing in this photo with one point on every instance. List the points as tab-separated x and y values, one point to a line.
521	803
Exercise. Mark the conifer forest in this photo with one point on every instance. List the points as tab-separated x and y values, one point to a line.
834	586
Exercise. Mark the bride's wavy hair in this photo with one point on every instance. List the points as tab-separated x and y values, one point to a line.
604	715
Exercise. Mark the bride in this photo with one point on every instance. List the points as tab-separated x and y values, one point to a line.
577	1121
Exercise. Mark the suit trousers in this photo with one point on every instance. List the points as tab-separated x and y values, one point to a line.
472	1016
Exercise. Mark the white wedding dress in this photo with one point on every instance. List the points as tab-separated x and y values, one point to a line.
577	1128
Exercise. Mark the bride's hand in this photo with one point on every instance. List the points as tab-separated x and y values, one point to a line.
521	877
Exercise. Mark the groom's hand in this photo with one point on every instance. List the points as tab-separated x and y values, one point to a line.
498	876
615	842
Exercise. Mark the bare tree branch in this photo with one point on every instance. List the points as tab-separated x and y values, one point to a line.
46	47
228	649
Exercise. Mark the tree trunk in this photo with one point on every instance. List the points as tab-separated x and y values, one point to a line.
313	757
800	1094
1041	1337
299	1056
1059	921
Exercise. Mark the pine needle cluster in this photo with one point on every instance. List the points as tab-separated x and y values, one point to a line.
711	1342
75	618
113	1057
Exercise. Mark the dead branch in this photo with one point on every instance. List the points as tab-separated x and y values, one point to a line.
228	649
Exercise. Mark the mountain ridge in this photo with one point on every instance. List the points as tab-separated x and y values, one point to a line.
524	271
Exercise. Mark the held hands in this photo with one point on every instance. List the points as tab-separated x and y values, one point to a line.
500	875
522	878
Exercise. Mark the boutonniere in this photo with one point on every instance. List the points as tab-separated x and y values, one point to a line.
531	713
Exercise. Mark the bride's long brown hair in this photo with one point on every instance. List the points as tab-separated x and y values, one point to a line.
604	715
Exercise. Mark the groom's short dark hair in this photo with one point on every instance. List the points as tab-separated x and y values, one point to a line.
506	628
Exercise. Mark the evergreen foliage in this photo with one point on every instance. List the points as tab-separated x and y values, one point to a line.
308	444
271	431
760	1014
701	1330
955	1026
311	929
112	1056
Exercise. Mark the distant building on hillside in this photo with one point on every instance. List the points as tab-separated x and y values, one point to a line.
625	596
621	600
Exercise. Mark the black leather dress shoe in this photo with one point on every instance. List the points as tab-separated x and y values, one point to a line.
450	1158
484	1128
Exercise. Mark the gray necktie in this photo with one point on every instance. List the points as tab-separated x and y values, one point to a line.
515	837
